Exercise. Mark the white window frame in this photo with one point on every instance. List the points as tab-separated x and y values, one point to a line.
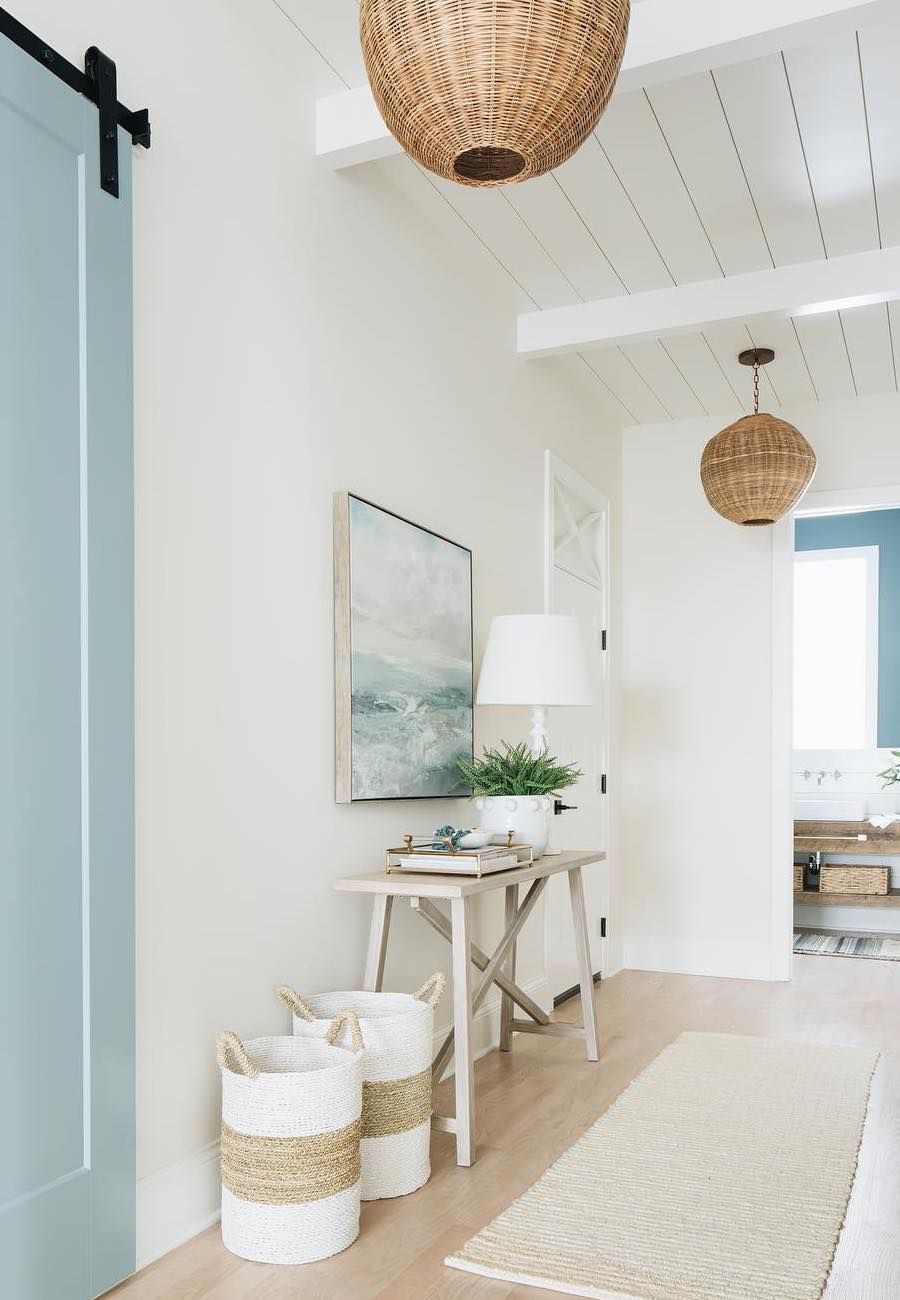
871	556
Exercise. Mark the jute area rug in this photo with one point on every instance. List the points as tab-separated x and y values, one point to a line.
722	1173
847	945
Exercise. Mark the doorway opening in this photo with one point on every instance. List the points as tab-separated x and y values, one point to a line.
845	778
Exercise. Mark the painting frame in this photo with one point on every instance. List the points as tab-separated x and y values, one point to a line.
345	791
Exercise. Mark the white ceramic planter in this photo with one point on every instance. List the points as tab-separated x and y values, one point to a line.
527	815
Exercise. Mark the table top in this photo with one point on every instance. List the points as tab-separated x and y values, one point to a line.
408	884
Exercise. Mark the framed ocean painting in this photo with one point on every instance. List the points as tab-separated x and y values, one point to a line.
403	656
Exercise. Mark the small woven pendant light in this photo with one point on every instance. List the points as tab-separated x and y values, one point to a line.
485	92
757	469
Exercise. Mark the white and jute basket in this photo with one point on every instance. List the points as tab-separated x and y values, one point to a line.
396	1115
291	1112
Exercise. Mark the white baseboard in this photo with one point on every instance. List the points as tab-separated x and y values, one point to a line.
177	1202
614	959
724	959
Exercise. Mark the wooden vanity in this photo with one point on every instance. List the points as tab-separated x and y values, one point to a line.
858	840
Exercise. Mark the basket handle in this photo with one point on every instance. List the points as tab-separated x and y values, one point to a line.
229	1045
293	1001
334	1030
433	989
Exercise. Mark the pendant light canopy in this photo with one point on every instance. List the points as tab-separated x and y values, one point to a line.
757	469
486	92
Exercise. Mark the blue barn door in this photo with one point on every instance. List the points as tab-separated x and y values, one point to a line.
67	1179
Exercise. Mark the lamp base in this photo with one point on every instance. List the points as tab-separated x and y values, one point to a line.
538	737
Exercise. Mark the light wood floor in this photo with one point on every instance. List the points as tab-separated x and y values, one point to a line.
535	1101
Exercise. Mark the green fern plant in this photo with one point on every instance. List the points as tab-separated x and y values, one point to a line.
891	775
514	770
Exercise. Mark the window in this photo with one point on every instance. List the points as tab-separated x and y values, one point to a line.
836	648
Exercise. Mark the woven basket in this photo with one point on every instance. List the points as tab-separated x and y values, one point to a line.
290	1145
837	879
756	470
488	93
396	1112
798	877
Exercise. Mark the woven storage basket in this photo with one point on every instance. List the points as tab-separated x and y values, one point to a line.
396	1113
838	879
798	877
290	1145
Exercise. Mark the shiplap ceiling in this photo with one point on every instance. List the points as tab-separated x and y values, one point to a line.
783	159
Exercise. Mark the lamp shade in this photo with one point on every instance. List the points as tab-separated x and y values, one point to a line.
535	659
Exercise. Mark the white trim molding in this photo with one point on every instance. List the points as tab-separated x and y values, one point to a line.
176	1203
727	958
668	39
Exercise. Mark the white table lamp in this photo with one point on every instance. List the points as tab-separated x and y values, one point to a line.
537	660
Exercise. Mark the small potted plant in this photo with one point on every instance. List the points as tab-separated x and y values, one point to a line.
514	790
891	775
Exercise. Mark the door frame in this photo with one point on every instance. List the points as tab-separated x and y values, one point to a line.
557	470
831	502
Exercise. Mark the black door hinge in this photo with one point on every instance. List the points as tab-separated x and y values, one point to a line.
603	784
603	639
602	927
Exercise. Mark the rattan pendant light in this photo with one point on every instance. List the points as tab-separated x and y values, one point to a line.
757	469
486	92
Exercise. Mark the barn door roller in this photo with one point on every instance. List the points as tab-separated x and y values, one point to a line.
98	84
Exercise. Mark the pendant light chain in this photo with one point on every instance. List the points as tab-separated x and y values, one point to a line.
756	388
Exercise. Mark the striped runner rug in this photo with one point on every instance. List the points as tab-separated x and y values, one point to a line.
881	948
722	1172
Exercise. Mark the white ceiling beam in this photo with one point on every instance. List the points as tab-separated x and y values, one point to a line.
668	39
677	38
804	289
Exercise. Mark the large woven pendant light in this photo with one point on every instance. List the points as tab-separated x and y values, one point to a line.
485	92
757	469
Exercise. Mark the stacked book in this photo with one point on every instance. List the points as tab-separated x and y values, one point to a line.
458	862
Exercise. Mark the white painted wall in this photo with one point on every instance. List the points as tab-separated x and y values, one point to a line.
699	828
296	332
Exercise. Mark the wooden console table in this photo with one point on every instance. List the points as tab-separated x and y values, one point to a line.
499	968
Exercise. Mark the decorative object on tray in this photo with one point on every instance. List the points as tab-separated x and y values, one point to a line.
838	878
439	855
448	837
396	1093
291	1112
475	840
515	790
403	656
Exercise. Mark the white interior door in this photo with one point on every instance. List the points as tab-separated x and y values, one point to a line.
577	547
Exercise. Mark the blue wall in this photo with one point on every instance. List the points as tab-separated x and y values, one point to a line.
879	528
